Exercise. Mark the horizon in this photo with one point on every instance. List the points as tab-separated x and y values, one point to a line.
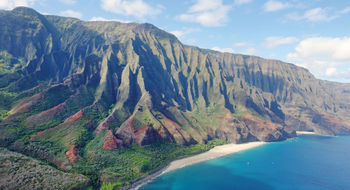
309	34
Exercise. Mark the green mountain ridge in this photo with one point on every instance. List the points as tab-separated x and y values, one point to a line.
112	95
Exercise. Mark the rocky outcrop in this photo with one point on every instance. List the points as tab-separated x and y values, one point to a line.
126	132
111	142
178	134
72	155
104	124
143	136
265	130
233	130
146	135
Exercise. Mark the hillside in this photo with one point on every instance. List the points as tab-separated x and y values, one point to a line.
116	101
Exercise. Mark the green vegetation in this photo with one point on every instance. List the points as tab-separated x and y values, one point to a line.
9	64
111	186
208	116
3	114
143	117
129	164
22	172
239	112
51	98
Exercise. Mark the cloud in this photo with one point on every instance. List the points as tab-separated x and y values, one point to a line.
241	44
318	15
10	4
181	33
334	73
275	41
105	19
241	2
207	13
100	19
223	50
191	41
68	2
136	8
250	51
324	56
272	5
344	11
331	72
71	13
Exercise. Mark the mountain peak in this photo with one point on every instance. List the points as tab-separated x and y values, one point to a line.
25	11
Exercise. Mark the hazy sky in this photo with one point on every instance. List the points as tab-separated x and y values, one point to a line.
311	33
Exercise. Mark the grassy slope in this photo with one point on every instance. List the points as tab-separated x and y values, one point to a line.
22	172
126	165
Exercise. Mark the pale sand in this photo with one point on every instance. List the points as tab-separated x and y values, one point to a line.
215	152
305	133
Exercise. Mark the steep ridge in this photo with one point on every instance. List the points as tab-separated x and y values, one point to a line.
68	85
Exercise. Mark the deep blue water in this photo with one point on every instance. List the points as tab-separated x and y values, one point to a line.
308	162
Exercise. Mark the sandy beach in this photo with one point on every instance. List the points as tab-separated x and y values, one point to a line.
305	133
213	153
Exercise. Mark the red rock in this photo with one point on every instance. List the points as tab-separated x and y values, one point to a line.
42	95
23	107
75	117
40	133
55	109
180	136
161	131
111	142
130	124
104	124
250	119
334	120
146	135
100	127
72	155
24	104
126	132
139	131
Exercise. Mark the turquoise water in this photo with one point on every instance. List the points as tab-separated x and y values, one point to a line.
308	162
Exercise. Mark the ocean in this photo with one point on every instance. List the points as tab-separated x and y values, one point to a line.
308	162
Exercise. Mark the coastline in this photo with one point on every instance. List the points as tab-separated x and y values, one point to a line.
216	152
213	153
305	133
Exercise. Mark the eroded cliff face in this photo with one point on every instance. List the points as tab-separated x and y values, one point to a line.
76	82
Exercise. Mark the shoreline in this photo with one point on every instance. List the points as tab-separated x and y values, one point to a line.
305	133
216	152
299	133
213	153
